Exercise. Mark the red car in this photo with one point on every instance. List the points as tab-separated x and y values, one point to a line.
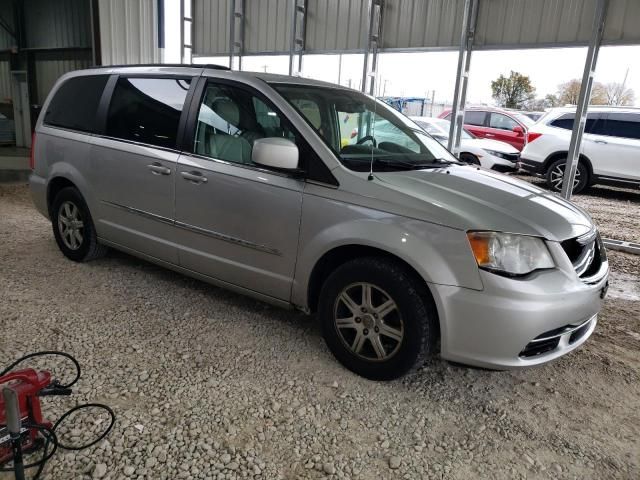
496	124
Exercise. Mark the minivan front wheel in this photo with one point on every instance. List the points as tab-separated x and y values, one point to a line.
73	227
555	176
376	318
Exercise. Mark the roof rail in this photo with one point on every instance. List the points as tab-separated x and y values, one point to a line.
184	65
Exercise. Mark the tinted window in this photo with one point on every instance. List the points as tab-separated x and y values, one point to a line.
502	122
75	103
147	110
594	124
231	119
474	118
626	125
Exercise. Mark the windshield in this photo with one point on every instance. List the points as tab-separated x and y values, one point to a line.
523	119
365	133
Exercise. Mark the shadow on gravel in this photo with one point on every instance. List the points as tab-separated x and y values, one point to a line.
293	318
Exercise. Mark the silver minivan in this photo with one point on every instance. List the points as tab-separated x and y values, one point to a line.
313	196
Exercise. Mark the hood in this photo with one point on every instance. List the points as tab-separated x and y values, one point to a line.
488	144
469	198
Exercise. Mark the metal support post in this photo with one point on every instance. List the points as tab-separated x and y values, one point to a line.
372	43
580	118
462	74
298	32
186	21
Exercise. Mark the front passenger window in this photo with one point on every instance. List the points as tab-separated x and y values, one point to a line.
230	119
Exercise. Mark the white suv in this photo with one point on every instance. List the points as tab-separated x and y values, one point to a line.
610	151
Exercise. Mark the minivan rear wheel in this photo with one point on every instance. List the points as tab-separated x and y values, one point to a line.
377	319
73	227
555	176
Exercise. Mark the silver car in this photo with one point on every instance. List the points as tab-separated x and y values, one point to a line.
254	182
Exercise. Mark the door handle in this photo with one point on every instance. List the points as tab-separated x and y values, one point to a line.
158	169
489	135
195	177
601	142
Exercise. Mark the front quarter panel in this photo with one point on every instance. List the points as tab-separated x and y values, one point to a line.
439	254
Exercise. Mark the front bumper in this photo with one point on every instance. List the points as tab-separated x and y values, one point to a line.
531	166
515	323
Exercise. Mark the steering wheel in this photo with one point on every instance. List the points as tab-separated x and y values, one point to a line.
367	138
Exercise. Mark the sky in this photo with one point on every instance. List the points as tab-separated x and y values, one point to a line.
418	74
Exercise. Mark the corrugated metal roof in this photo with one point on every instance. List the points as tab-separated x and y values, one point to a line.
267	26
422	23
128	32
340	25
59	24
6	12
5	80
337	25
211	21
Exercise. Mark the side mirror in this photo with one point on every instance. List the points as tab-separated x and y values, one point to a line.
518	129
275	152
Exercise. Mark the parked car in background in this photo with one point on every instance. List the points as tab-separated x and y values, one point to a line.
492	154
610	151
535	116
496	124
242	180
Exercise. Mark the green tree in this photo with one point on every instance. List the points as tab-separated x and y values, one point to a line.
514	91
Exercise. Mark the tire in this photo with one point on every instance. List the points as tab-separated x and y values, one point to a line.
73	227
469	158
407	335
555	174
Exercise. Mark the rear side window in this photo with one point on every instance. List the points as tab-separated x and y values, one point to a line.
474	118
75	103
147	110
595	123
625	125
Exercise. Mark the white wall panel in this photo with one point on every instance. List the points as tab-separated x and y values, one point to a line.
128	31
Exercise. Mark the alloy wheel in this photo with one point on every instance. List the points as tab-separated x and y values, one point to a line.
368	321
70	225
557	175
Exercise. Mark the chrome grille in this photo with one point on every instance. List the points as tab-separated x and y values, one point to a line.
586	253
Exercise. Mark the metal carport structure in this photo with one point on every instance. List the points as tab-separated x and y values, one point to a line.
296	27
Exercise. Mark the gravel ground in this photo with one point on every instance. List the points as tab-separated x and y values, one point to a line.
616	211
207	384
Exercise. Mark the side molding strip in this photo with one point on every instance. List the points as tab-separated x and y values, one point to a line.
193	228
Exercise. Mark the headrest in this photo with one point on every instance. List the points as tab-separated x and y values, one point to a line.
228	110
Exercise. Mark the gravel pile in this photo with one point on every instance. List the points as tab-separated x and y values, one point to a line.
207	384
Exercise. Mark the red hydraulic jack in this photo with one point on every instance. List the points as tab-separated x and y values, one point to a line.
23	429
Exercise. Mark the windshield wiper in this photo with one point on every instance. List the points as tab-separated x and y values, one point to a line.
436	163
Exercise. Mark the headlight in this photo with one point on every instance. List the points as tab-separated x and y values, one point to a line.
510	254
506	156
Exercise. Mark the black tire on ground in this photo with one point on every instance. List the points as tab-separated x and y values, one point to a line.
86	241
470	158
415	316
555	174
